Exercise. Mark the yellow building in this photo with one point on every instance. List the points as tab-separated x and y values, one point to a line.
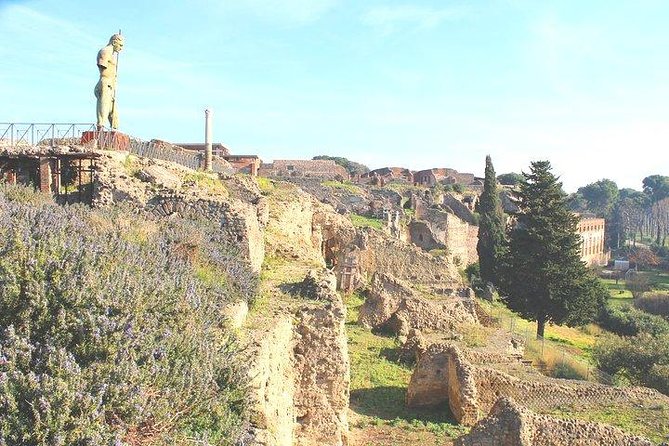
593	250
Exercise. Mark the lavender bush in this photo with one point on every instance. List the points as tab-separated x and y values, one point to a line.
110	338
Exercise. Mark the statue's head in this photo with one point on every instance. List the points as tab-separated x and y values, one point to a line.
117	42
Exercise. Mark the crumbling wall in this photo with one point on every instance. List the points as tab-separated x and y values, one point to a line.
473	389
376	251
394	305
443	375
436	228
547	393
510	424
271	390
165	189
300	373
322	368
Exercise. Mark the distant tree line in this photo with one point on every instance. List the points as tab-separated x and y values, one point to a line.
629	213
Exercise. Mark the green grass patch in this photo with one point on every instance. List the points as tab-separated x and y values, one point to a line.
361	221
207	182
345	185
379	383
265	184
574	341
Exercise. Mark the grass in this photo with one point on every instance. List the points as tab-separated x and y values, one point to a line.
658	280
361	221
345	185
265	184
564	346
379	384
651	422
207	182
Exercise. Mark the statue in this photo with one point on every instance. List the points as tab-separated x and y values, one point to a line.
105	90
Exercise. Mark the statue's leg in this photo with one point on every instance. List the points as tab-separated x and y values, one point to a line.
105	105
99	107
113	117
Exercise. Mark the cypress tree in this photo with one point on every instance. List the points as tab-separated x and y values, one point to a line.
491	226
543	277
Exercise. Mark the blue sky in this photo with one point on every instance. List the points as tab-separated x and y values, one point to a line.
419	84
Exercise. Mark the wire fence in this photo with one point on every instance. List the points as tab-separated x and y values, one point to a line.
552	356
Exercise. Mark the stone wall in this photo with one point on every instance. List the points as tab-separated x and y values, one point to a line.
394	305
322	368
474	389
510	424
271	378
299	372
441	376
378	252
435	228
325	169
164	188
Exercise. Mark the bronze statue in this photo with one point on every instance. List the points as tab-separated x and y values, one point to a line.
105	90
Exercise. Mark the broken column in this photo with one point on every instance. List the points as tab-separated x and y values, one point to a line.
207	140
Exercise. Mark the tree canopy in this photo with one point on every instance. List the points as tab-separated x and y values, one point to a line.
656	187
352	167
600	197
543	277
510	179
491	226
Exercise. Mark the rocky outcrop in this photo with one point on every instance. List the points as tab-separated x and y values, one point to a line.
394	305
510	424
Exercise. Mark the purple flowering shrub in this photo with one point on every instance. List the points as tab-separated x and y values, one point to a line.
111	339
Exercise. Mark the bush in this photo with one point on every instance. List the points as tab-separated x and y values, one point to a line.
640	360
108	334
656	303
628	321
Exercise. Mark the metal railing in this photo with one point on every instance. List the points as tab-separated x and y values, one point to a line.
18	133
36	134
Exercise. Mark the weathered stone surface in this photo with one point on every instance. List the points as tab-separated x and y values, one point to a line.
160	176
467	381
442	375
159	187
396	306
510	424
300	372
271	378
322	373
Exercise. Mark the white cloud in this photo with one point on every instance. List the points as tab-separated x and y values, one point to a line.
389	19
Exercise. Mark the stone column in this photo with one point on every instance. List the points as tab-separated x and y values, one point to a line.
45	175
207	140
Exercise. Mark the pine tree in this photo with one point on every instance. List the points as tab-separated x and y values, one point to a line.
491	226
543	277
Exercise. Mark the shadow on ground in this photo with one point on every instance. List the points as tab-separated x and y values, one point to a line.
387	403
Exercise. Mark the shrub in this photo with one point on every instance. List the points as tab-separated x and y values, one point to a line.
628	321
640	360
656	303
107	339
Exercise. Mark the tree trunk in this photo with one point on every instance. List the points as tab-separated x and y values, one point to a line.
541	327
